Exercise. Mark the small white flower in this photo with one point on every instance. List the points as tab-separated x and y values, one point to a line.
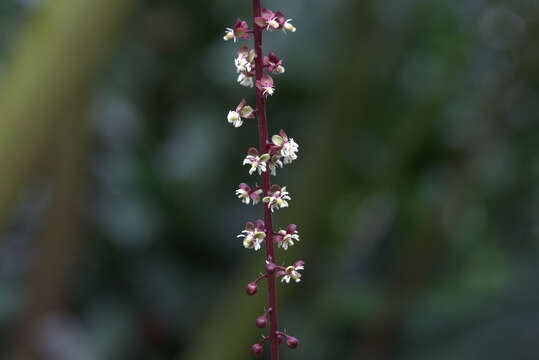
278	199
245	80
268	90
256	162
291	273
288	239
273	166
288	26
246	194
265	85
252	238
234	118
273	24
289	150
243	195
242	64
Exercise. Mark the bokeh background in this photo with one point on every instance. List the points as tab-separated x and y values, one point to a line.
416	192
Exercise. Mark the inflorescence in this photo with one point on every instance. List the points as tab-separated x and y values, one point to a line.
272	154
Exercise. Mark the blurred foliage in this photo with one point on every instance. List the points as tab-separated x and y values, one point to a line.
416	193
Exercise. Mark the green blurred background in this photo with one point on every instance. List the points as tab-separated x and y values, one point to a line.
416	192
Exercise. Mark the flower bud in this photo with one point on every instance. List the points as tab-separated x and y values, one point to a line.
279	338
261	321
291	228
259	225
251	289
270	268
292	342
280	69
257	349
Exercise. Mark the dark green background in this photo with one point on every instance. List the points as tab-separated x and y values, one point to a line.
416	191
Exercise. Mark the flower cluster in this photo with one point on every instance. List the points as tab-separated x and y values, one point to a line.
253	235
265	85
239	31
256	162
286	147
278	198
245	66
291	272
247	195
243	111
273	64
274	21
264	161
282	151
286	238
245	61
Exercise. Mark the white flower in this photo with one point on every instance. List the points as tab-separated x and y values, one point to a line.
288	26
229	35
252	238
273	166
291	273
245	80
288	239
268	90
278	199
265	85
247	195
243	195
234	118
256	162
289	150
242	64
273	24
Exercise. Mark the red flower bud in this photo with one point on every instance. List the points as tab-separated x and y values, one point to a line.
291	228
251	289
261	321
279	338
292	342
260	225
257	349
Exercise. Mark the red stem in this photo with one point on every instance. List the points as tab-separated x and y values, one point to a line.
264	146
260	278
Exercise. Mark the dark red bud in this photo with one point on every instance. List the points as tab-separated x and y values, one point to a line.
260	224
270	268
261	322
292	342
291	228
251	289
279	338
257	349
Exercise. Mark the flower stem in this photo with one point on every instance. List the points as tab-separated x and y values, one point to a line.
260	278
264	147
